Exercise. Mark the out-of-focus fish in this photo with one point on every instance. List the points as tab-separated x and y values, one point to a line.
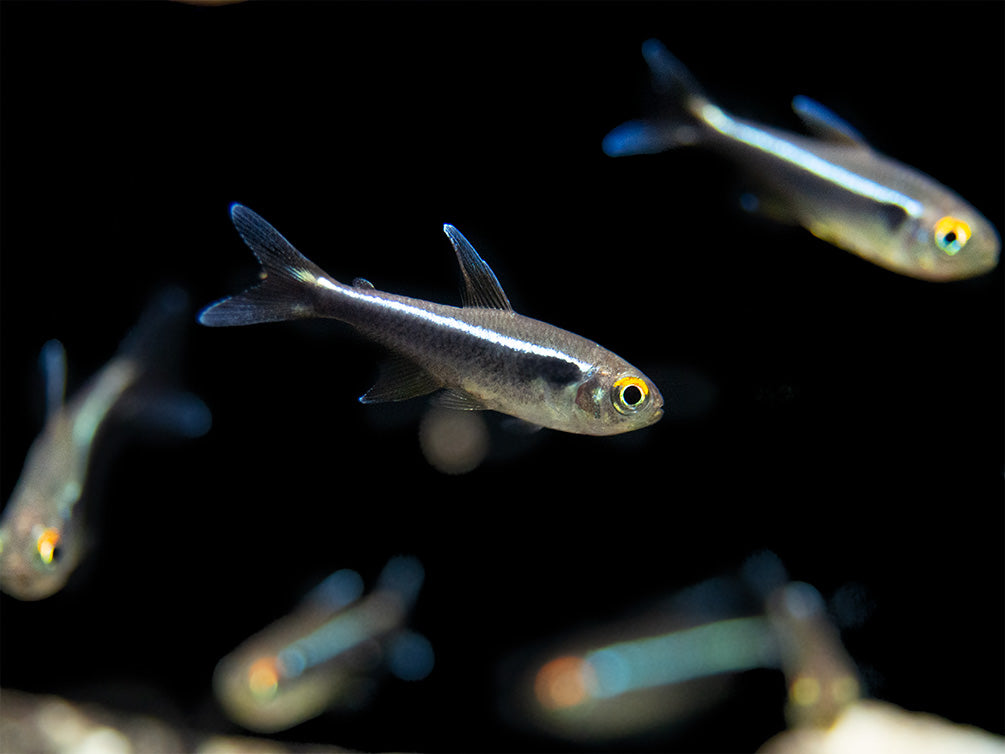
821	677
41	533
662	667
834	184
327	652
642	674
483	355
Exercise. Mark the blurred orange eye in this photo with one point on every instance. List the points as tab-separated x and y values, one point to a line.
47	545
629	394
263	678
951	234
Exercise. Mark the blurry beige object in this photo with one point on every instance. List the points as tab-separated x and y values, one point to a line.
43	724
825	711
453	442
874	727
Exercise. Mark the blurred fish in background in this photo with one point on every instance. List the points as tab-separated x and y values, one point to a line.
330	651
42	532
657	669
666	667
826	707
834	184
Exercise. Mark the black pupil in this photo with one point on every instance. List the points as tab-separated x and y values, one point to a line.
949	239
632	395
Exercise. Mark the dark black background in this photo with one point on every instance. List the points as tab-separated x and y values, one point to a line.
843	416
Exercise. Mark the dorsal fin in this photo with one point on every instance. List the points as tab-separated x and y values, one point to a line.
481	288
52	360
825	123
362	283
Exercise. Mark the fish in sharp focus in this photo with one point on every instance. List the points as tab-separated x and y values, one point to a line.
41	530
327	652
833	183
482	355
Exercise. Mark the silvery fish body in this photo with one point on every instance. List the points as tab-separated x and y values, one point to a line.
482	355
833	183
41	532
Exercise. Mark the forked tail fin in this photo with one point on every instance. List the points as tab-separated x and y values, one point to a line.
679	122
286	290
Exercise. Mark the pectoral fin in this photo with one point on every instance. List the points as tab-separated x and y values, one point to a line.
825	123
481	287
399	380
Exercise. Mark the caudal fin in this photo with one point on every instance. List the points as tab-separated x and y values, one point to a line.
678	124
285	291
154	346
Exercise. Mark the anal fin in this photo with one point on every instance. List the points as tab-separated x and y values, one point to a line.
399	380
458	400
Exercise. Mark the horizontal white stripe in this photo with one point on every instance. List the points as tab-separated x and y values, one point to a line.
450	323
808	161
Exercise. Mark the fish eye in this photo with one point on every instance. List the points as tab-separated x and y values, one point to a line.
263	678
951	234
629	394
47	546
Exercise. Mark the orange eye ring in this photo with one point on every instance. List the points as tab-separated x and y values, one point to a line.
47	545
951	234
629	394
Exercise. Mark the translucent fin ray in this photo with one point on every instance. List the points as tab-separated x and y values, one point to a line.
678	124
399	380
825	123
286	277
481	287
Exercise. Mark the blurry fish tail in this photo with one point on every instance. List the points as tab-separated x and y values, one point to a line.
680	121
287	289
155	337
153	347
